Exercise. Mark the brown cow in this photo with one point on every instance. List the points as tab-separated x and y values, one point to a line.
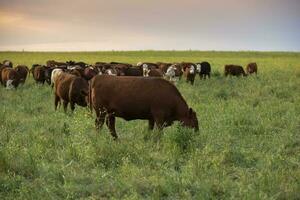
234	70
23	71
10	77
251	68
71	89
38	73
189	71
152	99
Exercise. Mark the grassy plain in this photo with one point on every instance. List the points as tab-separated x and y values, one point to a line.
248	146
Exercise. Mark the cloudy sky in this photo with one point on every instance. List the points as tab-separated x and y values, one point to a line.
89	25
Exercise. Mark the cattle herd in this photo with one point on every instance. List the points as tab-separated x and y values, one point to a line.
144	91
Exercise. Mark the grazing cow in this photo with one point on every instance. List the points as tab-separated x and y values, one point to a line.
131	98
38	73
189	71
10	78
203	69
71	89
251	68
23	71
7	63
234	70
54	75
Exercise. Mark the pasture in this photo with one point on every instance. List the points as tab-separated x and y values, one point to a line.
248	146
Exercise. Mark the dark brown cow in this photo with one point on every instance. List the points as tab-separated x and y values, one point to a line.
203	69
131	98
189	71
251	68
23	71
10	78
234	70
71	89
38	73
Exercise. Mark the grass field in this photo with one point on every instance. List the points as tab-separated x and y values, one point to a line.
248	146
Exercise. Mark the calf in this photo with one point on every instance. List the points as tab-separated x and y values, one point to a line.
131	98
70	89
203	69
251	68
234	70
10	78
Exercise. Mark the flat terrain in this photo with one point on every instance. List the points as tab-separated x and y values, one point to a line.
248	146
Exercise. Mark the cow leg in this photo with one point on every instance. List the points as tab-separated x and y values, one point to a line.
72	105
151	124
65	104
159	119
56	100
110	122
192	81
99	119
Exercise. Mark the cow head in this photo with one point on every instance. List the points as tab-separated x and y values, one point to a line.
191	120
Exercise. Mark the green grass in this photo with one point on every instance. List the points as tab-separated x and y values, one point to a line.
248	146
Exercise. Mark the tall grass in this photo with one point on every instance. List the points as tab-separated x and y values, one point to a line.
248	146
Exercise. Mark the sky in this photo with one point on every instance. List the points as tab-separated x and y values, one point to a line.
93	25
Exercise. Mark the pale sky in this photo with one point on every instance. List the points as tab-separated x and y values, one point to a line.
91	25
